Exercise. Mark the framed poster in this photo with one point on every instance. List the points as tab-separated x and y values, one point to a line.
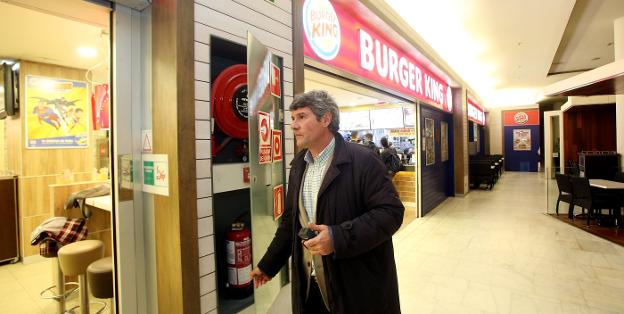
444	154
429	142
522	139
56	114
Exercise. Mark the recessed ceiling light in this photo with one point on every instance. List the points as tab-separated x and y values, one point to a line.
87	52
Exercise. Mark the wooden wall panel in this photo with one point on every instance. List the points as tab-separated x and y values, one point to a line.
37	168
13	132
3	148
460	141
589	128
173	111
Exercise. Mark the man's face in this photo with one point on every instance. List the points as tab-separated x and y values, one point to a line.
307	129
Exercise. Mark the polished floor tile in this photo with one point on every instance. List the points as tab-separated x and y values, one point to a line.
21	285
488	252
498	252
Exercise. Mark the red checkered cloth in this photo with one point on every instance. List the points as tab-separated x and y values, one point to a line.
75	229
48	248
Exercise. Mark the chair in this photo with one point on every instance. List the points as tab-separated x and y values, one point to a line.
565	191
573	168
582	196
100	278
74	259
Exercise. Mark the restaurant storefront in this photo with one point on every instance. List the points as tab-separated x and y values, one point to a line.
393	92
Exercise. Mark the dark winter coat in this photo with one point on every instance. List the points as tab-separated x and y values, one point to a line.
361	206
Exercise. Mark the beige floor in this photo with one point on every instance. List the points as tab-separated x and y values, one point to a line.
489	252
496	252
21	284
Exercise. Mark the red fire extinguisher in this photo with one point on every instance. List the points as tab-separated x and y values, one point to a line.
238	256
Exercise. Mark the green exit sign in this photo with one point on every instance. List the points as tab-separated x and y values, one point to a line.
271	1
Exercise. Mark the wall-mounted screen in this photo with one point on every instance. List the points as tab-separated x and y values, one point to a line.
355	120
387	118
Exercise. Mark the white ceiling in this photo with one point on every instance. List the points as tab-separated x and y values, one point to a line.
504	49
52	31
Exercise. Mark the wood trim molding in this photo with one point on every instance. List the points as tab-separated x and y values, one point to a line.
173	113
460	139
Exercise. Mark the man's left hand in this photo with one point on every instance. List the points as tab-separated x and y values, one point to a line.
323	243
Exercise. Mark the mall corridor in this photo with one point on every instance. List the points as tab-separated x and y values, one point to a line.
497	252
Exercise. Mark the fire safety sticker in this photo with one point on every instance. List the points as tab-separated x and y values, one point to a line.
277	145
278	201
276	87
264	138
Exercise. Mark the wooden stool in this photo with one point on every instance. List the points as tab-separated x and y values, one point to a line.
74	259
100	278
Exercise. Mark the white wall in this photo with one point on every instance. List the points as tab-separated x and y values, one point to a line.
272	25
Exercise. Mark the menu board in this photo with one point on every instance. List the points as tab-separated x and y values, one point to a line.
409	116
355	120
387	118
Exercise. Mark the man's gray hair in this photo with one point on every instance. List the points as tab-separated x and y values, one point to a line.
319	102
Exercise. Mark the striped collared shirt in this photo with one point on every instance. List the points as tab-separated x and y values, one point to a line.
315	171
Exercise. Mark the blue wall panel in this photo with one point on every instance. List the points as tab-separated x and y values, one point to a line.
522	160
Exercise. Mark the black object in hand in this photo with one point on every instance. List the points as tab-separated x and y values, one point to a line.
306	234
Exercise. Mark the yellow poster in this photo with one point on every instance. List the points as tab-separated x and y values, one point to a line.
56	113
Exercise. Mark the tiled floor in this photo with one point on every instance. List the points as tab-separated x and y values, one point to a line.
489	252
21	284
497	252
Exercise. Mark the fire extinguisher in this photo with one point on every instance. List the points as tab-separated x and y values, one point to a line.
238	256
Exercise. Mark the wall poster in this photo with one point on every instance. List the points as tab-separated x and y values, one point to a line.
444	155
522	139
56	114
429	142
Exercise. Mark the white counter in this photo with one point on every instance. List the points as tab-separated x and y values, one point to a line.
103	202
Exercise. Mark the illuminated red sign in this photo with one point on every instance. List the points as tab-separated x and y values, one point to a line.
337	36
521	117
475	112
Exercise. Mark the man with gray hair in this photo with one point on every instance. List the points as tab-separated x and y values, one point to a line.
341	211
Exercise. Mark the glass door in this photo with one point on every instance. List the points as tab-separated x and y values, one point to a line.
266	158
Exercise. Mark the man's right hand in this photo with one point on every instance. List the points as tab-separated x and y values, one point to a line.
259	277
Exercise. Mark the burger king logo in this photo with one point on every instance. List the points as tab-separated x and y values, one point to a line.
521	118
449	99
321	28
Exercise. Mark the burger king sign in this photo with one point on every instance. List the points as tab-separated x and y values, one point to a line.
322	28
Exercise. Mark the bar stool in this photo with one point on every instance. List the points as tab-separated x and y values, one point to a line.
61	290
74	259
100	278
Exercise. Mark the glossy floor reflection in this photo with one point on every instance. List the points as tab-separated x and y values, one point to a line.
497	252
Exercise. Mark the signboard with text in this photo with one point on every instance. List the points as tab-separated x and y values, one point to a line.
521	117
278	201
346	35
264	132
277	145
475	112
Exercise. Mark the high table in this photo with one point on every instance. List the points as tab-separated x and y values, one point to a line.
606	184
612	187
